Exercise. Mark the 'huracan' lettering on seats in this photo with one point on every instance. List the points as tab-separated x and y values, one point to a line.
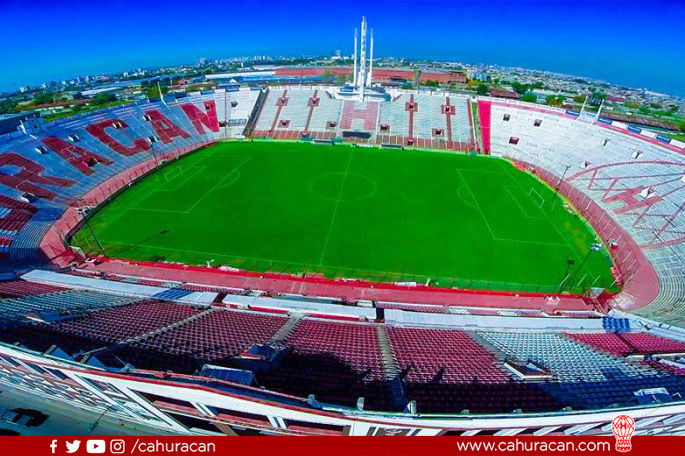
165	128
78	157
30	175
199	118
98	130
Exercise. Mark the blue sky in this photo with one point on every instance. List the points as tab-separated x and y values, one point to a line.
636	43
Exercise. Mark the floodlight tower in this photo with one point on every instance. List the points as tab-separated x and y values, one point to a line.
354	69
369	79
361	80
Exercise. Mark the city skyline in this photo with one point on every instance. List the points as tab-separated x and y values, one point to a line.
561	36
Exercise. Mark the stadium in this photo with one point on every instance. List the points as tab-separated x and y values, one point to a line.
321	260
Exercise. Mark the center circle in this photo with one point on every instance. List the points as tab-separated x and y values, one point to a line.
341	186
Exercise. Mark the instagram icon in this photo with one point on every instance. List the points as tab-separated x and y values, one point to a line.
117	446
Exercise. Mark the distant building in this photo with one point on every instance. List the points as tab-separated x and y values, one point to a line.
501	93
443	78
481	76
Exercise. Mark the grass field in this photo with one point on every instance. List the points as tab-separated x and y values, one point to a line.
390	215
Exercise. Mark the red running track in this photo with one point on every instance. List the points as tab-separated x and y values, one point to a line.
349	290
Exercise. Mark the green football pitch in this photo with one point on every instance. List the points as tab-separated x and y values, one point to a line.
340	211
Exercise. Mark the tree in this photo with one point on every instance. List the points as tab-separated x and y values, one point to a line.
520	88
529	97
681	126
430	83
342	79
579	98
8	106
43	98
153	92
482	89
554	100
102	98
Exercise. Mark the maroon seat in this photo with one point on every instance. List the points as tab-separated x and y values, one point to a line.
624	344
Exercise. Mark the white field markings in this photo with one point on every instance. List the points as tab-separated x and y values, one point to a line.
471	203
216	185
335	209
188	171
477	206
518	203
178	184
177	180
492	233
554	225
269	260
219	182
108	221
181	167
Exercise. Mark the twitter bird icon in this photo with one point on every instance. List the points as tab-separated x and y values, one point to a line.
72	447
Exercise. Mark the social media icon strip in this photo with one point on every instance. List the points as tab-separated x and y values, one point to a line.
95	446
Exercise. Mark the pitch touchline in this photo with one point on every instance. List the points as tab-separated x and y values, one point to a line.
335	210
366	273
267	260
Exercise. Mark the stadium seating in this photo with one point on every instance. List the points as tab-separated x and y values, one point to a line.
442	370
385	122
22	288
213	337
338	362
289	116
51	305
612	165
582	377
448	371
629	344
430	124
125	322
